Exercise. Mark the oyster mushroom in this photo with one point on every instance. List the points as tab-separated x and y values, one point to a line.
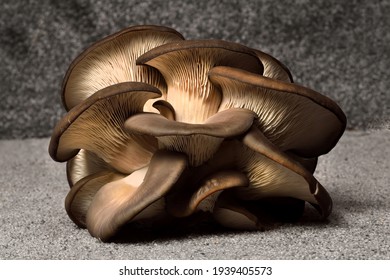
198	141
118	202
81	194
96	125
273	173
293	117
108	62
184	67
160	128
112	60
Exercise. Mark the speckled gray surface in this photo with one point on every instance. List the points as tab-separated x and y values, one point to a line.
34	224
339	48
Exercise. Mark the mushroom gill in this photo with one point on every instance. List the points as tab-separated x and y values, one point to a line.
161	129
185	67
85	163
96	125
293	117
112	60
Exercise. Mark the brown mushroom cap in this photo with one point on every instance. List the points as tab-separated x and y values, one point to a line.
228	123
198	141
81	194
273	173
295	118
97	125
112	60
185	66
118	203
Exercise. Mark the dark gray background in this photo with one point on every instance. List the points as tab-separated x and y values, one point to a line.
339	48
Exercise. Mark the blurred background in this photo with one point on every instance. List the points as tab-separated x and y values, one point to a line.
339	48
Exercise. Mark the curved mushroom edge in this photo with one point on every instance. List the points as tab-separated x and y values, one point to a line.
258	143
190	45
198	141
246	77
283	73
81	194
109	212
260	81
101	42
224	124
75	112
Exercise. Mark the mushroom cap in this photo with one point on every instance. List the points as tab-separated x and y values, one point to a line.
198	141
273	173
225	124
295	118
96	125
115	205
112	60
185	66
82	193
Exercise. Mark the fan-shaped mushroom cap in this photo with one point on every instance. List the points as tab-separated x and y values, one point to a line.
112	60
198	141
81	194
97	125
117	203
293	117
272	173
185	66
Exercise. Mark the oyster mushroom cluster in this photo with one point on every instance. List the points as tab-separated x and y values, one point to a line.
160	128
